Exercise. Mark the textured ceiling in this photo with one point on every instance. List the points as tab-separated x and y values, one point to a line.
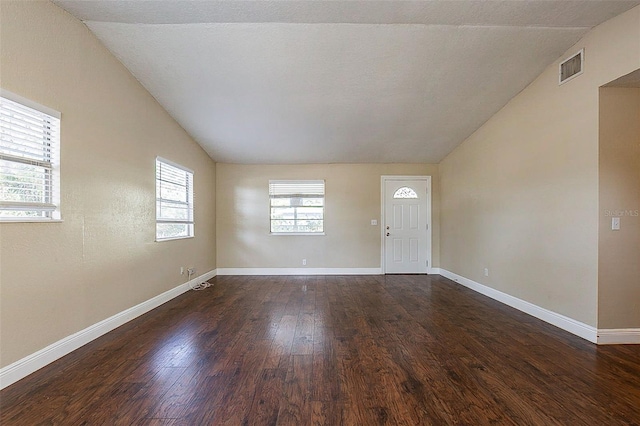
336	81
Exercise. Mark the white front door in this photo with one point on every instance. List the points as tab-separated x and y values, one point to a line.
405	226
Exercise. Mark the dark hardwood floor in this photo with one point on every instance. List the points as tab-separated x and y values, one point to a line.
366	350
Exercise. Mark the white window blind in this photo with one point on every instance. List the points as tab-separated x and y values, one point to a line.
174	201
297	207
29	160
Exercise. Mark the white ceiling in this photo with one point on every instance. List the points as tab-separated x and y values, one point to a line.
337	81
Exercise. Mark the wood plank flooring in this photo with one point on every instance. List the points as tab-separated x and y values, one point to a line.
333	350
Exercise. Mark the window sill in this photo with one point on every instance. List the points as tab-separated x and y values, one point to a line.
297	233
34	220
173	239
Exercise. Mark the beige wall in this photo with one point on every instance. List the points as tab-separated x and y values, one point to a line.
352	200
59	278
520	196
619	251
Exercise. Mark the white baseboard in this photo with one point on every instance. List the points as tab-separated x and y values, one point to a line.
619	336
299	271
308	271
31	363
568	324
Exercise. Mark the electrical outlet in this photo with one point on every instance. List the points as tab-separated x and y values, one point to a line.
191	271
304	262
486	272
182	270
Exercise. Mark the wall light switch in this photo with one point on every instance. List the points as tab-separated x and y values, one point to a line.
615	223
374	222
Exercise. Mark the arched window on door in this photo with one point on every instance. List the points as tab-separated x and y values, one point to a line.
405	192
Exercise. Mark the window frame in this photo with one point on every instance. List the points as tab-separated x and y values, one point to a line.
190	203
297	182
49	208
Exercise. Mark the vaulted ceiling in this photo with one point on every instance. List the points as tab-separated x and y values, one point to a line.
337	81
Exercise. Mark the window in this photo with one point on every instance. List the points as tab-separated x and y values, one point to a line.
297	206
29	160
405	192
174	201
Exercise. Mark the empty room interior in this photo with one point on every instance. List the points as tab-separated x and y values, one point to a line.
319	212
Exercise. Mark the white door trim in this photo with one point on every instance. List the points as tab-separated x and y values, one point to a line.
386	178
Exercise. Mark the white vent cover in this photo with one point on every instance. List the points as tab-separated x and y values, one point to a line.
572	67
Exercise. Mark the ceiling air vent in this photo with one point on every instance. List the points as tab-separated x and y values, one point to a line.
572	67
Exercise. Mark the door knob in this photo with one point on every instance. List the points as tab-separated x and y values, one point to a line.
387	234
387	226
